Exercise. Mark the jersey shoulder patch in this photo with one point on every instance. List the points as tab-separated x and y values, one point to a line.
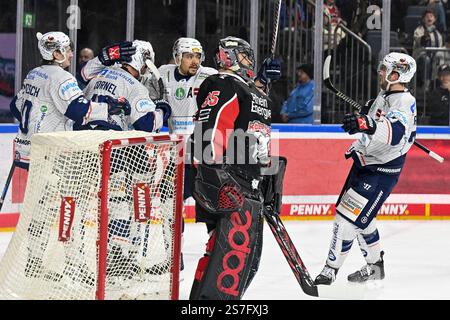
69	89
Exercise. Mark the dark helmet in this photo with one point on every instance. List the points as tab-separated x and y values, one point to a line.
227	57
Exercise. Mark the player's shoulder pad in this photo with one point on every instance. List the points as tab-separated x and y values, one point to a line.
403	101
166	67
204	72
68	88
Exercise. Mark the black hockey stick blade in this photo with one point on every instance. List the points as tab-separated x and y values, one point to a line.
290	253
357	107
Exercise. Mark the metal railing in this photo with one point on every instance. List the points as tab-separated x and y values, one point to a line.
351	73
426	80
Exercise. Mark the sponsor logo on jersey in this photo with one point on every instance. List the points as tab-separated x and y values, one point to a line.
144	106
66	215
260	107
44	109
257	126
180	93
141	199
69	89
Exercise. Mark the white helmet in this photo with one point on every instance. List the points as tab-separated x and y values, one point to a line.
144	51
401	63
190	45
51	42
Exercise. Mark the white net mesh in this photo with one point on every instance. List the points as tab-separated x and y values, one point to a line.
54	251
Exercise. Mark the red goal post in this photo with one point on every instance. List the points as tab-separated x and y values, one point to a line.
101	218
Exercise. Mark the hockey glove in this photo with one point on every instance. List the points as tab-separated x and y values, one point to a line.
164	106
118	52
366	108
270	71
118	106
354	123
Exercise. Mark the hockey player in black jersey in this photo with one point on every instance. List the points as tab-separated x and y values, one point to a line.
230	146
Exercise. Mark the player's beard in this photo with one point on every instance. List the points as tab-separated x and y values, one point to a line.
193	70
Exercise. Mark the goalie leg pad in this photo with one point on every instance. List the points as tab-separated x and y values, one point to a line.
273	184
234	258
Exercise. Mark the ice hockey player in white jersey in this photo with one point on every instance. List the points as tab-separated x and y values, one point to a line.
124	81
50	98
388	132
182	81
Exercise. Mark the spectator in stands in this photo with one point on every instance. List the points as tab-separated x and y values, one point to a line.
439	100
438	8
298	108
427	35
331	19
85	55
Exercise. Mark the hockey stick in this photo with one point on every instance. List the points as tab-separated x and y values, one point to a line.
151	66
275	30
290	253
7	183
273	45
357	107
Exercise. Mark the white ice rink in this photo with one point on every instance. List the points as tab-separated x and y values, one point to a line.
417	261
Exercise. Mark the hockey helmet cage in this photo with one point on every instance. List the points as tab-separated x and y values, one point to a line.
189	45
51	42
227	57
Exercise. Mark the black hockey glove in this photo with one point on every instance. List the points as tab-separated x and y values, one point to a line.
164	106
366	108
270	71
353	123
118	52
118	106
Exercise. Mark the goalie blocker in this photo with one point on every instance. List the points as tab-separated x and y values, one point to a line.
231	203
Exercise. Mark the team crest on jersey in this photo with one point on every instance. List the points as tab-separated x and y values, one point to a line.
256	126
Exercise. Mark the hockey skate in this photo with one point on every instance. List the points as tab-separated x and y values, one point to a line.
371	271
327	276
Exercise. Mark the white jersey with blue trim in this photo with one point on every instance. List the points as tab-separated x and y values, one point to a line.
181	93
395	114
50	100
116	82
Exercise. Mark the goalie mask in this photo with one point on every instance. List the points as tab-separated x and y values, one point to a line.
144	51
51	42
189	45
400	63
227	57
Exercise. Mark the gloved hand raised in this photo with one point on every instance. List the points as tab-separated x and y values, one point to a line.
353	123
118	106
270	71
118	52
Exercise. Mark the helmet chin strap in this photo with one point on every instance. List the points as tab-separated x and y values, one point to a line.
61	61
390	82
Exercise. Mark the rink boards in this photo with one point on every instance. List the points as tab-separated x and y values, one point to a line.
315	173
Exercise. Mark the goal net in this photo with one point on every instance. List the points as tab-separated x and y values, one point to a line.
101	218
